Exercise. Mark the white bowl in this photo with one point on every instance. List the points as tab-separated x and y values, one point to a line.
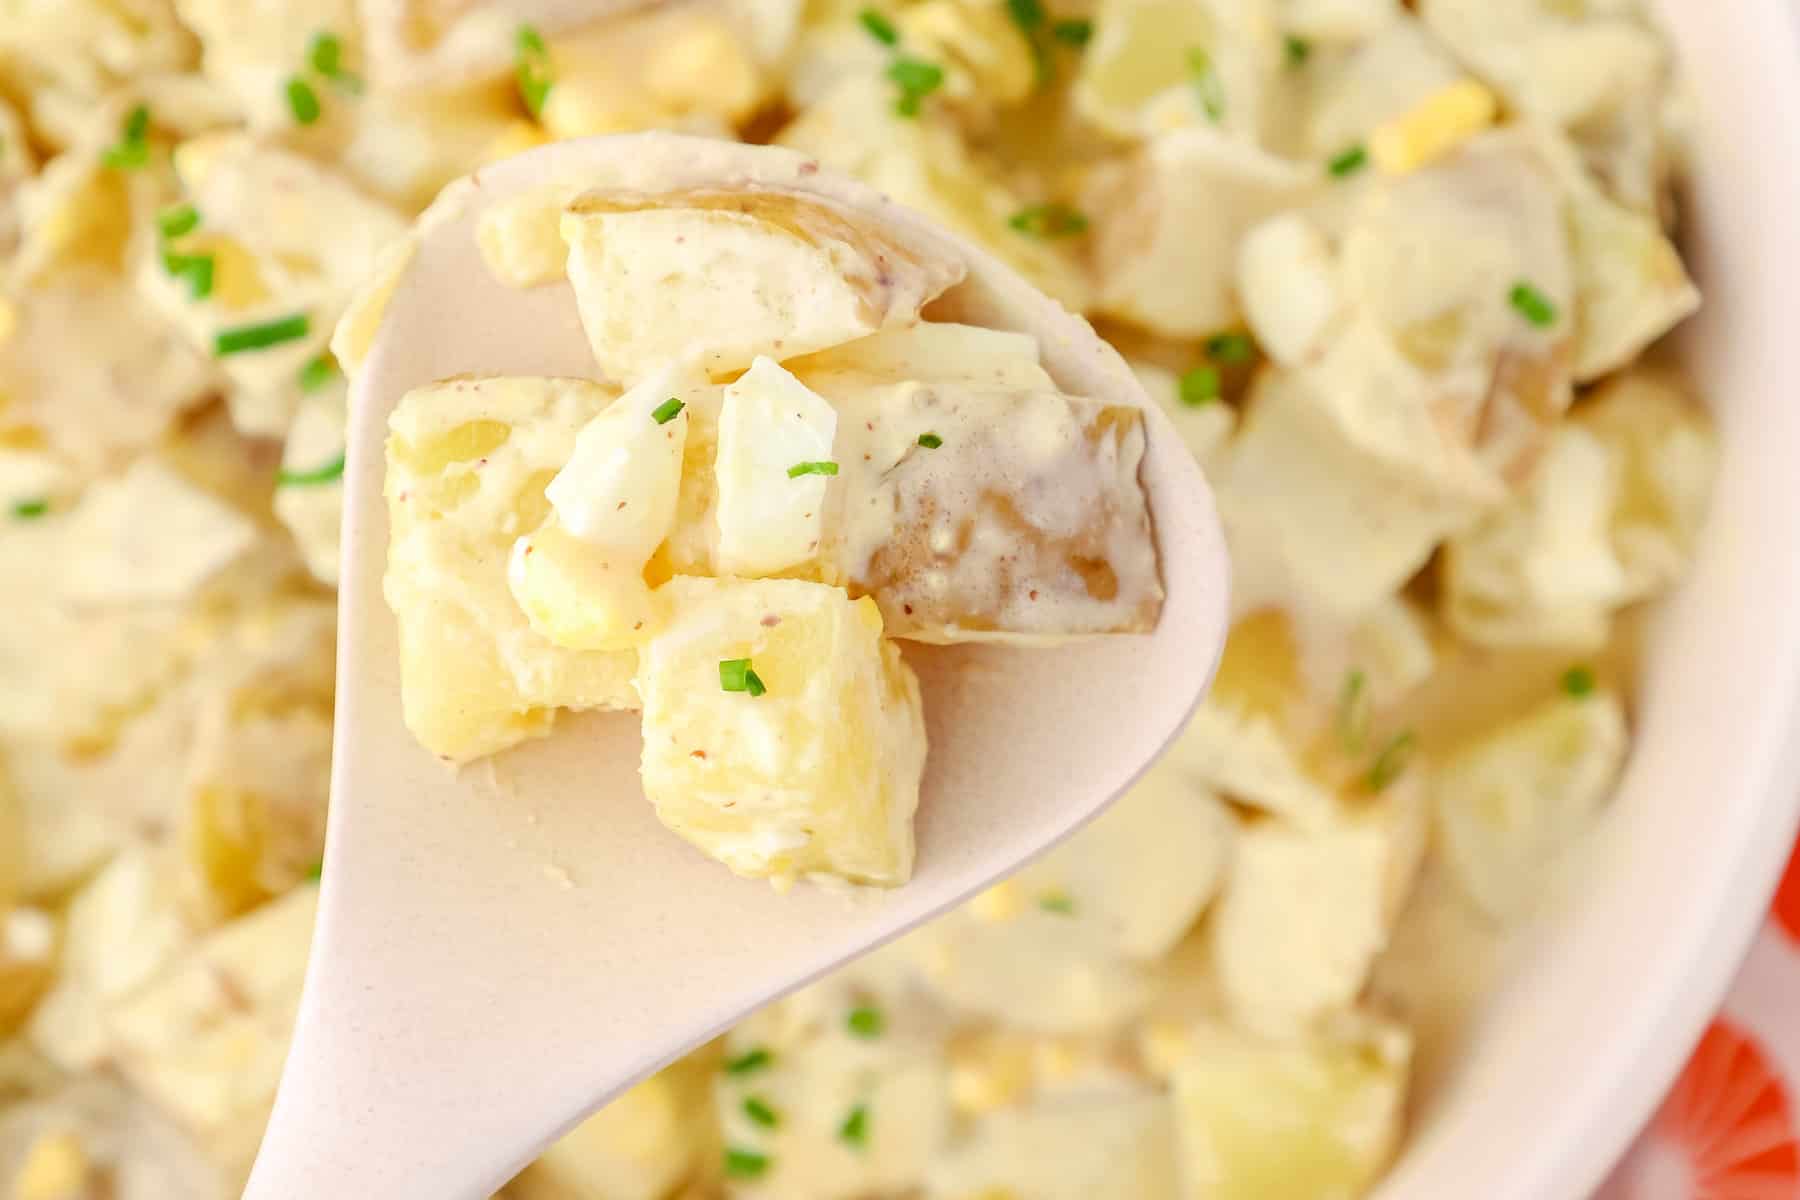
1567	1060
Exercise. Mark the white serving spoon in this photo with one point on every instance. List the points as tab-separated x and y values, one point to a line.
501	951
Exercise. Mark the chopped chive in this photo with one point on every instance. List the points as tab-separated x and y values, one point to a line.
261	336
317	373
1391	763
865	1021
1353	711
326	473
1049	221
812	468
303	102
1057	902
313	872
1230	348
132	150
532	69
325	55
744	1164
1297	49
196	268
1026	14
753	1059
916	80
1073	32
1207	85
758	1110
179	221
1578	681
1533	305
855	1129
879	27
1200	386
736	675
667	411
1348	162
930	441
26	510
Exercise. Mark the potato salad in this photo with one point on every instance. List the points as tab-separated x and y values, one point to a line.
1398	272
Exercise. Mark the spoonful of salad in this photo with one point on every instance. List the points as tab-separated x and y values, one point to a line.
738	571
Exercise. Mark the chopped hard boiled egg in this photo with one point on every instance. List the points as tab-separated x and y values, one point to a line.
782	733
618	489
1433	128
775	465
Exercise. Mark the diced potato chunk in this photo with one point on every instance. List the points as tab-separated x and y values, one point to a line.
931	351
1095	1147
818	773
1304	913
1315	1118
27	962
1509	803
468	461
721	277
772	425
639	1147
577	595
1055	543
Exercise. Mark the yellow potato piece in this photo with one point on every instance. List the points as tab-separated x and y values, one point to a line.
577	595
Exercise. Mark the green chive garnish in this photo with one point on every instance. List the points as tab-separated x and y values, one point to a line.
1026	14
317	373
744	1164
1533	305
261	336
879	27
196	268
532	69
759	1111
303	102
1207	85
313	872
132	150
812	468
26	510
1058	903
736	675
667	411
179	221
1049	221
1200	386
1391	763
1230	348
855	1129
865	1021
325	54
1578	681
330	471
1073	32
1348	162
1353	711
930	441
1298	50
916	80
753	1059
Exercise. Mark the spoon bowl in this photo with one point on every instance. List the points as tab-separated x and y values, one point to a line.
501	950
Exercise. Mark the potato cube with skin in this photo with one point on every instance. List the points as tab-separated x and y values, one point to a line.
1100	1146
1509	803
468	462
782	734
1316	1117
774	468
722	277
